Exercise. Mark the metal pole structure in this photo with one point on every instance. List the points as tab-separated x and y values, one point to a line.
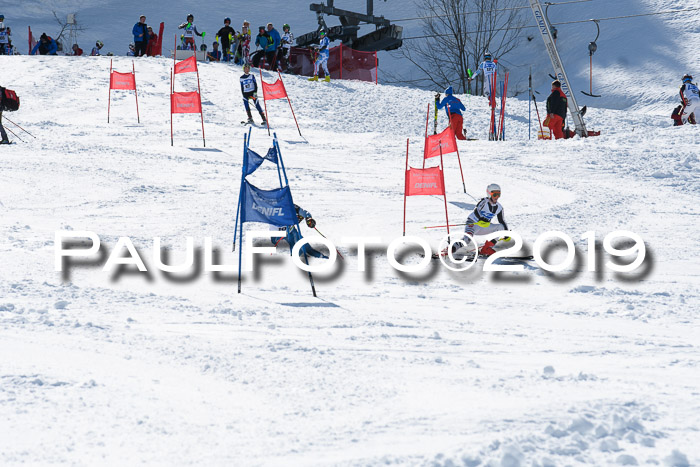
199	96
529	103
456	147
444	192
289	101
133	68
172	86
246	142
109	93
267	119
405	177
558	66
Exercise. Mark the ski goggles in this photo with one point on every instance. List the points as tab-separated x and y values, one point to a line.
495	194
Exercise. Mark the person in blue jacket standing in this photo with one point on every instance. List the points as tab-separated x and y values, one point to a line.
45	46
271	51
141	36
454	108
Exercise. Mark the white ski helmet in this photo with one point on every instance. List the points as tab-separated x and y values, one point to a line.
493	188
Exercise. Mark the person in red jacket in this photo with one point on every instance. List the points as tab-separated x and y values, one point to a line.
77	51
152	47
556	110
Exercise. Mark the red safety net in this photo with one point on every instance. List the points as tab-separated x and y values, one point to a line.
126	81
275	90
185	103
446	139
428	181
343	63
188	65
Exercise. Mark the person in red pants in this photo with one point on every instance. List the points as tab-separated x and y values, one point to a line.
556	110
454	108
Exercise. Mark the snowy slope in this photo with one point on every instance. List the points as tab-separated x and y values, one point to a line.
638	64
476	368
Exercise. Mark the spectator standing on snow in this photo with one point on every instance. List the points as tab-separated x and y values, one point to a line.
152	47
690	98
264	41
96	50
322	58
226	35
272	54
45	46
190	30
287	41
77	51
140	32
454	108
556	110
5	40
244	43
249	89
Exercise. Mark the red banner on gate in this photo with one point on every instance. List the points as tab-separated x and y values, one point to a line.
187	66
275	90
126	81
185	103
446	139
425	181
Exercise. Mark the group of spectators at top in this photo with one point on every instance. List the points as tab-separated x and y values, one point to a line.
229	45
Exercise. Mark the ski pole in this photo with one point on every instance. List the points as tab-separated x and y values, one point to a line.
16	135
20	128
336	250
538	113
443	226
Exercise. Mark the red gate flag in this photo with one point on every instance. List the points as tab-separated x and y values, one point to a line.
188	65
425	181
185	103
126	81
275	90
446	139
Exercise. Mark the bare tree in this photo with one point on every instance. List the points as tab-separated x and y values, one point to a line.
69	31
455	36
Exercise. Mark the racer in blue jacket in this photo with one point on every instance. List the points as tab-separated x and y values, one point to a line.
453	108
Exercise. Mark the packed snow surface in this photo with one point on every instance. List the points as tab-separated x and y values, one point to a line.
443	368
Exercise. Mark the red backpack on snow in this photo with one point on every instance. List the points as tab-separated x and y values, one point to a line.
8	100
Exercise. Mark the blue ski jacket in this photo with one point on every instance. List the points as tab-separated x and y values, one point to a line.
276	38
455	105
140	32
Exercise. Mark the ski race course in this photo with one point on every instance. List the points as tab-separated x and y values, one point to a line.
441	368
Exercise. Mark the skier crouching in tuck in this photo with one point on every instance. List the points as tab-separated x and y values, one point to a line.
249	88
454	108
479	221
293	235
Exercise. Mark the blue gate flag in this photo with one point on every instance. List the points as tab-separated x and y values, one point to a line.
255	159
268	206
